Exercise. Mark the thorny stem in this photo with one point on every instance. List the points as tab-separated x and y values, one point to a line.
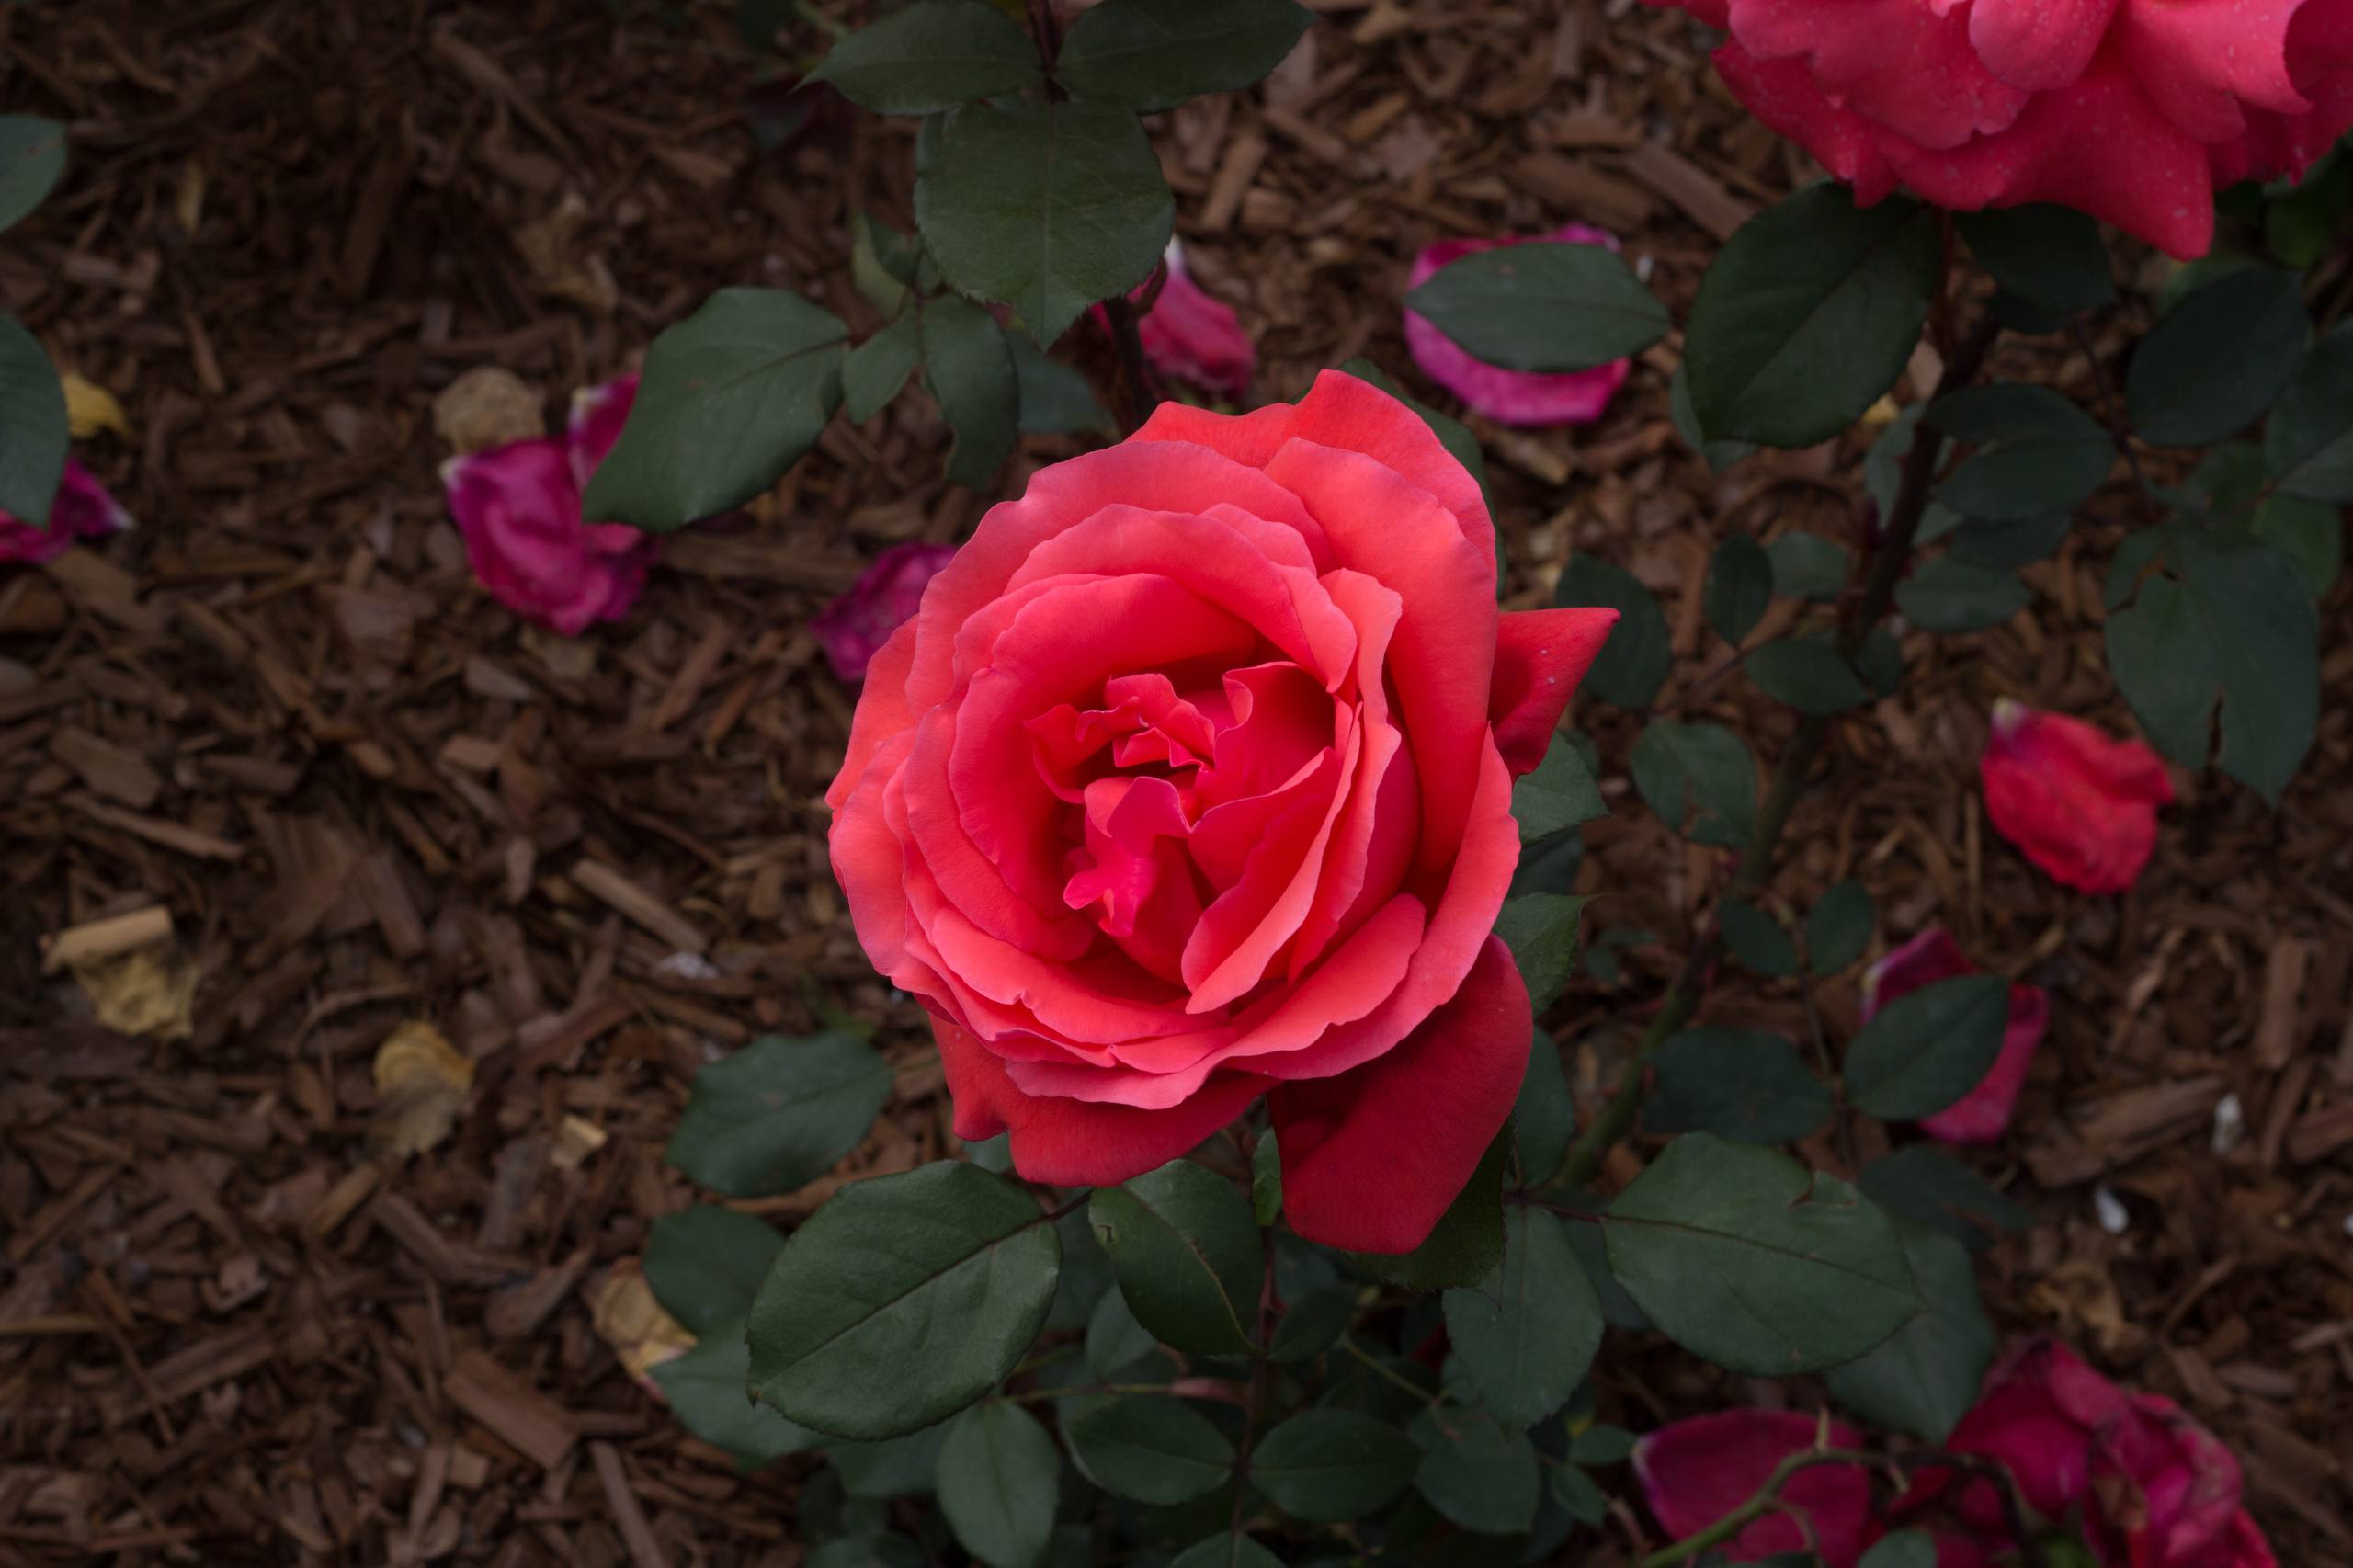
1889	559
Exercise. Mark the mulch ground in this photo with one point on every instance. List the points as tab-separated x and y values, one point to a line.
235	1328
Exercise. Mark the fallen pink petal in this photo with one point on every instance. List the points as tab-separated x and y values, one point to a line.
852	628
2079	805
1982	1115
1507	396
518	507
1192	335
1696	1471
81	509
594	424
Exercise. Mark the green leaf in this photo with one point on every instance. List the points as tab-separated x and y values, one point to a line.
1312	1324
1266	1180
1747	1258
1740	587
709	1389
1838	927
32	428
933	55
1718	455
2307	444
731	398
1153	1449
2038	453
1945	595
1540	928
1326	1466
1681	768
1806	318
1186	1248
1114	1337
1807	566
1544	1118
1925	1378
2211	366
2009	545
1745	1084
1632	663
867	1341
1580	1496
1602	1445
1929	1049
1154	54
1468	1240
905	1466
1922	1185
1528	1332
1543	307
883	262
2309	533
32	160
1000	1478
1046	207
867	1552
878	368
779	1113
706	1266
2052	256
1807	673
1907	1548
1227	1550
968	367
1756	940
1055	398
1560	794
1478	1474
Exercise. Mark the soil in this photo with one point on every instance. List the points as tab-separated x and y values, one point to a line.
237	1325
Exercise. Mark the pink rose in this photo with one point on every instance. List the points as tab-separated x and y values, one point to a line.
1190	782
1983	1114
1696	1471
518	507
1510	397
81	509
1193	335
2148	1486
2082	807
2132	110
852	628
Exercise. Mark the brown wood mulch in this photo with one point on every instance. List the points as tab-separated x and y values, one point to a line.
278	723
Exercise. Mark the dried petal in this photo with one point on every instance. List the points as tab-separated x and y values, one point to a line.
852	628
518	507
2082	807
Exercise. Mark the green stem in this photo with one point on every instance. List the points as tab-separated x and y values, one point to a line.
1373	1364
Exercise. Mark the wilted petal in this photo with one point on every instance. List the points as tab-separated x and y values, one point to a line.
1193	335
597	415
1696	1471
81	509
2079	805
1511	397
852	628
519	510
1982	1115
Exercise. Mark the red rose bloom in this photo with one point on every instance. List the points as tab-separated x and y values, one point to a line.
1190	781
2132	110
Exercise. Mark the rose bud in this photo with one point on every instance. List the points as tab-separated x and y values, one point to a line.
2082	807
1192	335
852	628
518	507
1696	1471
2133	112
81	509
1190	783
1982	1115
1509	397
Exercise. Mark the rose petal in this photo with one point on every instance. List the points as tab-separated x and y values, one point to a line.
1194	336
2079	805
81	509
1696	1471
1903	66
594	424
518	510
852	628
1540	657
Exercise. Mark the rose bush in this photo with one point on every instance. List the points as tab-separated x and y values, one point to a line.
2132	110
1192	782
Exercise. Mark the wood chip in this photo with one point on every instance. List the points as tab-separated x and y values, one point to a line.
539	1430
605	883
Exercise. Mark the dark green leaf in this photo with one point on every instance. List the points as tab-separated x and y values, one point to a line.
2037	453
706	1266
1000	1478
1477	1473
2307	445
2310	533
1748	1259
710	1387
1544	1117
1540	928
1547	307
1326	1466
1808	315
1740	587
1559	794
1620	1310
1152	1449
2301	221
1578	1492
1186	1248
2009	545
968	368
1602	1445
1908	1549
2051	255
1046	207
1884	476
1528	1332
867	1341
2160	657
779	1113
1745	1084
1154	54
1718	455
1314	1323
1114	1337
1925	1378
878	368
32	160
905	1466
1807	673
1838	927
1756	940
1055	398
1229	1551
1807	566
1633	663
2211	367
867	1552
883	262
1266	1180
1927	1048
32	428
731	398
1945	595
1468	1241
933	55
1921	1183
1683	767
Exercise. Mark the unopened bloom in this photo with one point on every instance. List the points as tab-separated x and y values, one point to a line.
81	509
852	628
1509	397
1983	1114
2079	805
